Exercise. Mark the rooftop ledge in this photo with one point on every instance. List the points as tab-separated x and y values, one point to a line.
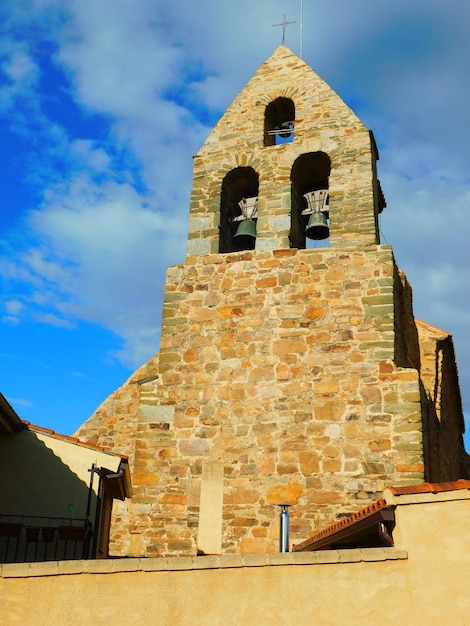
112	566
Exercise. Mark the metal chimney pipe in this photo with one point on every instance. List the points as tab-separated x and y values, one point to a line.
284	529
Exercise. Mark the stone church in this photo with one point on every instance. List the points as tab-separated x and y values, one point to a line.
291	370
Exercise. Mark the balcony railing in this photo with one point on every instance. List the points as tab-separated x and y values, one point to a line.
24	538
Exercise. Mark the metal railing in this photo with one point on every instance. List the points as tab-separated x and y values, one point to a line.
25	538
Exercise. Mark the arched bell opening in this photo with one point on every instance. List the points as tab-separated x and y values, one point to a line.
239	210
309	199
279	118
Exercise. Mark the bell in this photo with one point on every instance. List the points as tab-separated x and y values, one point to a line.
317	227
284	129
245	237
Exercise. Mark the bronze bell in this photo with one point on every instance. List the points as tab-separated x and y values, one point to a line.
245	237
317	227
285	129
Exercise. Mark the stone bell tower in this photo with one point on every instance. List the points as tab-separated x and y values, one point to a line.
287	374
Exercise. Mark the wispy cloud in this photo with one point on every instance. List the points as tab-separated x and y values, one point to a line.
114	97
24	404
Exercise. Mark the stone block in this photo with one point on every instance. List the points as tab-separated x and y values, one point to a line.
44	568
255	560
198	247
198	224
281	558
267	243
149	564
231	560
309	462
285	494
179	563
194	447
156	413
15	570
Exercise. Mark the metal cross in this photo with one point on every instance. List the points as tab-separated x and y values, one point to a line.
284	23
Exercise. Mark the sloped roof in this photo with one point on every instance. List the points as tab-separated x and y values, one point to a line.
114	468
68	439
431	328
431	487
374	522
118	478
357	530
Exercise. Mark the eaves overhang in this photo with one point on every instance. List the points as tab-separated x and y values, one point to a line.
369	528
9	421
118	483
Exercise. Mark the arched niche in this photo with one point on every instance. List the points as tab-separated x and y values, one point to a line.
310	172
239	183
279	119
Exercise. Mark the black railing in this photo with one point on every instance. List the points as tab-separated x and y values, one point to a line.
24	538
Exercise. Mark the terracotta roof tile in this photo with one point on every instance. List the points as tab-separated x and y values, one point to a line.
379	505
431	487
344	522
73	440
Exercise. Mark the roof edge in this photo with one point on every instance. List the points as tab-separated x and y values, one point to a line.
431	328
69	439
9	421
428	492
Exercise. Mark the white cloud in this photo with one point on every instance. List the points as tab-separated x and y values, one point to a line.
156	75
54	320
101	257
20	73
13	307
25	404
88	154
20	68
10	319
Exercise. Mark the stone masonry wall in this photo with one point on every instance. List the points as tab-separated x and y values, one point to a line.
113	426
407	346
288	375
279	365
443	420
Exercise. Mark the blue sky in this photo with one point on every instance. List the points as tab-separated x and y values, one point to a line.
104	102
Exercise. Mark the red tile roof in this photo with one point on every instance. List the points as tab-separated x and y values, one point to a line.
342	524
431	487
73	440
372	509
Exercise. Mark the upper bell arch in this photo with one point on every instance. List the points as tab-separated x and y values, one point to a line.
279	117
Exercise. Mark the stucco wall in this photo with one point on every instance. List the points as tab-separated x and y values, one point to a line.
42	475
423	580
287	594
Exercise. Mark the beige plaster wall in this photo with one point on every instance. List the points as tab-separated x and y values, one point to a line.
426	584
308	594
41	475
367	591
434	527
